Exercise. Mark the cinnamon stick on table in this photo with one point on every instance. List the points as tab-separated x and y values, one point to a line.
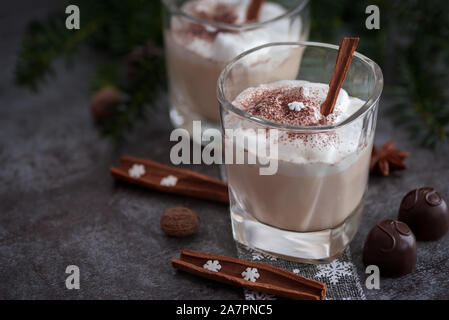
260	277
253	11
185	182
344	58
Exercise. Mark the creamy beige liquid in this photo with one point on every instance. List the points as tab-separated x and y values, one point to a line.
321	176
300	203
195	59
193	78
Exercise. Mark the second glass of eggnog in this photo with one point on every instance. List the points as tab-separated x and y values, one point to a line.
202	36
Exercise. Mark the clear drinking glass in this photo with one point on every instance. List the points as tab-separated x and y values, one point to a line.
197	50
307	211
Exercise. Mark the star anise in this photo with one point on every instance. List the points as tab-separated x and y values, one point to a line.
388	158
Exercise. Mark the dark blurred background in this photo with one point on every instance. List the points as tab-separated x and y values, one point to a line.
411	46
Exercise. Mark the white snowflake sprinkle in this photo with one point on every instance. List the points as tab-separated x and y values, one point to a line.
251	274
169	181
334	271
137	170
212	265
296	106
296	271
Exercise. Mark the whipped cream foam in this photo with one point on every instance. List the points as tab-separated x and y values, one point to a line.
221	44
322	153
296	103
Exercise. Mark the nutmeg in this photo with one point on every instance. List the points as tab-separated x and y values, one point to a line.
104	103
179	222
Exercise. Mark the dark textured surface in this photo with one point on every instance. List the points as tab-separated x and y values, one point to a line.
59	205
429	280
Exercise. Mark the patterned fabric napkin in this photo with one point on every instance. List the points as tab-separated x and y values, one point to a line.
340	275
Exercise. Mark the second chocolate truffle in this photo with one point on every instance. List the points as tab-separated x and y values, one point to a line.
391	246
426	212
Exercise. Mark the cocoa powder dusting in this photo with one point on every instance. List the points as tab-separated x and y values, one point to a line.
220	12
224	13
272	104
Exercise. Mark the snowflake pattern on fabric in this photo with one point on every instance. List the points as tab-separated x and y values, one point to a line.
137	170
334	271
251	274
212	265
255	295
258	256
348	286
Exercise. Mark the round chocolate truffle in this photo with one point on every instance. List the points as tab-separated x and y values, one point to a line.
391	246
426	212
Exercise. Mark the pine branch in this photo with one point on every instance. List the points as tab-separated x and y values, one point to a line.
112	26
45	42
421	101
140	91
116	27
424	108
422	62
